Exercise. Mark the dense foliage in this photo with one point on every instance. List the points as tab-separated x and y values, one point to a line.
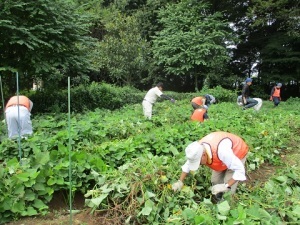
43	40
188	43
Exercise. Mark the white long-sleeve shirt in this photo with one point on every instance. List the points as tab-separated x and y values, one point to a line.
152	95
227	156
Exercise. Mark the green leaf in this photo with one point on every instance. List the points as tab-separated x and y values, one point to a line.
188	214
223	208
39	186
29	195
199	219
281	179
39	204
149	194
42	158
23	176
29	212
95	202
18	207
147	209
296	211
51	181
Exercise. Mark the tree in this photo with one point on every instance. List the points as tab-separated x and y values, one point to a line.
192	41
278	25
43	39
123	51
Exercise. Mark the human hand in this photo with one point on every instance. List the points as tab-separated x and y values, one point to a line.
219	188
177	186
172	100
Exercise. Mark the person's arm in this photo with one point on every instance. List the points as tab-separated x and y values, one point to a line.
30	105
212	99
272	91
244	94
226	155
205	116
179	184
183	176
232	162
167	97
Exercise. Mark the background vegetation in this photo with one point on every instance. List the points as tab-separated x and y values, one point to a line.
187	44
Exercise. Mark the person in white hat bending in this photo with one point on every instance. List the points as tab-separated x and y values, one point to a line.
224	153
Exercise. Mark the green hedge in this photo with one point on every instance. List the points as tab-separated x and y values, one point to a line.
221	94
96	95
107	96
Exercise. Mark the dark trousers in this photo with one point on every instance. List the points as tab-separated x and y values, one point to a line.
276	101
250	103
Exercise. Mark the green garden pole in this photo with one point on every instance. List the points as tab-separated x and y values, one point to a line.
3	105
69	146
19	130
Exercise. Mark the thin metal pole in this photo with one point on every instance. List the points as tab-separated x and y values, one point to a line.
3	105
19	126
70	160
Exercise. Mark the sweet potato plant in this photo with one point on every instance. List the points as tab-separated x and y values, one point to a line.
125	165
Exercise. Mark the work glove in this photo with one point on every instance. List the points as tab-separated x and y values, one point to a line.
172	100
271	98
219	188
177	186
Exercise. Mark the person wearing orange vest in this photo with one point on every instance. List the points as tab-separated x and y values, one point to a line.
17	113
199	114
197	102
225	153
275	94
200	111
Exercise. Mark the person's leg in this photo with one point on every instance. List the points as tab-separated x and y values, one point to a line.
25	122
276	101
259	104
147	109
11	115
250	103
228	176
217	177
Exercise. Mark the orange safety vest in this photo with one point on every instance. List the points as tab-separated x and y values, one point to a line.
23	101
198	100
239	147
198	115
276	92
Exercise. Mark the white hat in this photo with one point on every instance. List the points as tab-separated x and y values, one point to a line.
193	153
